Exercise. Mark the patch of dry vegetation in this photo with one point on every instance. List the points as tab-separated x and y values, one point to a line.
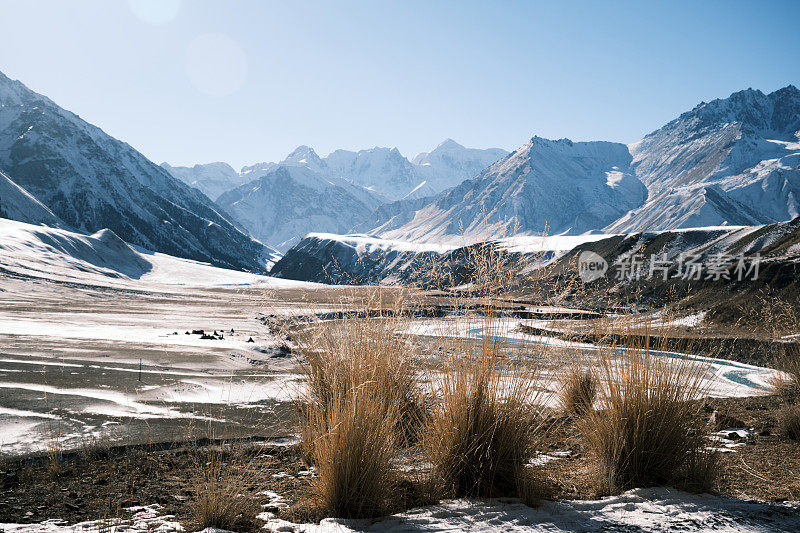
578	390
647	427
484	424
360	404
486	409
789	421
55	450
787	385
224	495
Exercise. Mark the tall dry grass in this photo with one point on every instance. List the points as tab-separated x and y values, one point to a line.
224	490
485	423
789	421
54	446
647	424
787	383
486	414
344	356
578	390
360	402
353	446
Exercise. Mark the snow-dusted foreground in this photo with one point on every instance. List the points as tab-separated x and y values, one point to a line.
655	509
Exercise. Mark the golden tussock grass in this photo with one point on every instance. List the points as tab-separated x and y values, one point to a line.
647	425
484	423
55	450
224	495
359	404
486	414
789	421
578	390
787	384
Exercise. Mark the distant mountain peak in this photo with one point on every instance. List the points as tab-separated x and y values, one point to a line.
304	155
449	144
302	151
730	160
536	140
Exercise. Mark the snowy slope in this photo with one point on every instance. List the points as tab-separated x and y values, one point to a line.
392	215
553	186
348	259
101	258
212	179
387	172
92	181
291	200
730	161
18	204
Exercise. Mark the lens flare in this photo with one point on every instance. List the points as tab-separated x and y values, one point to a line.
155	12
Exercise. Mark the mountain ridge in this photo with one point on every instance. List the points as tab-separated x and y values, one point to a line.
92	181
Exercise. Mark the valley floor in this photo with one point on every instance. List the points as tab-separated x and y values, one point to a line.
114	375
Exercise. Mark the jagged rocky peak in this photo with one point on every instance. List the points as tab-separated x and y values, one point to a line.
305	156
289	201
554	186
774	115
729	161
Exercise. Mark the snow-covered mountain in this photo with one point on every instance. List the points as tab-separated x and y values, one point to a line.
212	179
392	215
544	186
383	170
347	259
449	164
733	161
307	193
730	161
92	181
18	204
293	199
388	173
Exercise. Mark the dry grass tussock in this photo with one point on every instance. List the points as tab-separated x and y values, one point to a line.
787	359
484	424
578	390
486	414
360	403
55	449
789	421
787	384
647	428
224	490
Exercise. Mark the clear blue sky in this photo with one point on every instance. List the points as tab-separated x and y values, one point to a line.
243	82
